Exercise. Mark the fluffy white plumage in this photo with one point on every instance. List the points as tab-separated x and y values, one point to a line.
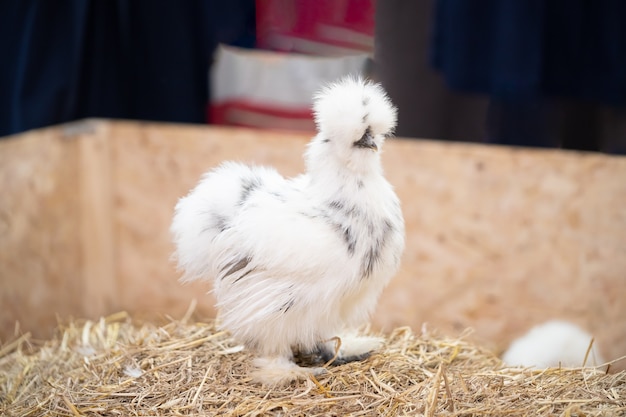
552	344
296	262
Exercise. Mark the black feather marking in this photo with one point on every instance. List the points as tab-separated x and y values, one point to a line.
344	230
337	205
369	260
236	266
326	140
221	222
217	221
350	240
248	185
242	276
340	207
365	101
364	118
287	306
372	257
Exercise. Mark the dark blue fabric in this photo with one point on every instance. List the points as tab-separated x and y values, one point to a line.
520	49
142	59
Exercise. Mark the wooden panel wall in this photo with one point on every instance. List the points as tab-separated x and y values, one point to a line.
498	239
40	242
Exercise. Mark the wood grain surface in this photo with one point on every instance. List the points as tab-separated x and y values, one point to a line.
498	238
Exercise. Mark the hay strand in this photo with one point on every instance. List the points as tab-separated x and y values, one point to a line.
118	366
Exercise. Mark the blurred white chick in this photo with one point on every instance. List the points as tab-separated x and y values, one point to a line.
552	344
296	262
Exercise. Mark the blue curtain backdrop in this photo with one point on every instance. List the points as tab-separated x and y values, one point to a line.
520	49
554	70
64	60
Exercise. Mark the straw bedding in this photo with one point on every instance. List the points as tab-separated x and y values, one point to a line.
119	366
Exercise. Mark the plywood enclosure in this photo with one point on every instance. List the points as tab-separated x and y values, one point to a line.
498	239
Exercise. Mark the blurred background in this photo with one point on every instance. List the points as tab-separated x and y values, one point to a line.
499	238
517	72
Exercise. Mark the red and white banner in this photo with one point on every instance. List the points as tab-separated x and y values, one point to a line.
267	89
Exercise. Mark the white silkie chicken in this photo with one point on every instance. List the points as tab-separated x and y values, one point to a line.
552	344
297	262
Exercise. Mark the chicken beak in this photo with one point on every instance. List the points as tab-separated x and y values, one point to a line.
366	141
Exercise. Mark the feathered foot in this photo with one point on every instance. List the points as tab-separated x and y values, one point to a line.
348	348
280	371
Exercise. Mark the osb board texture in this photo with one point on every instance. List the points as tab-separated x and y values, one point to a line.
498	239
40	244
